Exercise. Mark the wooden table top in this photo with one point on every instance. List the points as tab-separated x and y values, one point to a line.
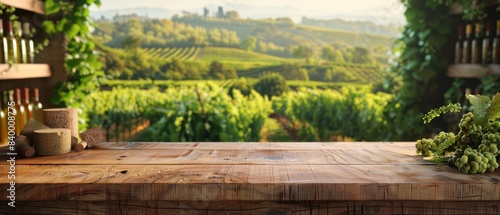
246	171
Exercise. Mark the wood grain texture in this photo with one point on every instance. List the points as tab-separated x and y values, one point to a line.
271	174
254	208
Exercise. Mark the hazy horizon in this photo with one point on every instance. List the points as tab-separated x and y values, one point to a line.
382	11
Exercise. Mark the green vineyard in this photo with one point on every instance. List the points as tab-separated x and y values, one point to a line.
181	53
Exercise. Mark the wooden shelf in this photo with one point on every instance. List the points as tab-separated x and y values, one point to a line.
24	71
36	6
472	70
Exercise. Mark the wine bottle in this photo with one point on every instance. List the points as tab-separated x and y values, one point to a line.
37	106
485	55
467	46
12	44
26	103
495	55
3	121
21	44
21	115
30	45
4	54
476	45
458	46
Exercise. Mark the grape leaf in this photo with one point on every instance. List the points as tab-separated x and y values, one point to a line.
480	106
493	111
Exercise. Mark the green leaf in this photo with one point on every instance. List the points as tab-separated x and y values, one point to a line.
49	27
52	7
423	34
72	31
61	24
494	109
480	105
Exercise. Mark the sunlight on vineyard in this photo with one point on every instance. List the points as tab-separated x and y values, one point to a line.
206	112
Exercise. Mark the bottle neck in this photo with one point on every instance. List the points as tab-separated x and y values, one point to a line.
26	30
11	96
9	29
36	98
26	96
18	96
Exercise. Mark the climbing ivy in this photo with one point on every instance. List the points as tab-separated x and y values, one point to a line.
81	59
419	73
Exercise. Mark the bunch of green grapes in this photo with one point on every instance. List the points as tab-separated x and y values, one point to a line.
472	161
470	133
438	146
477	146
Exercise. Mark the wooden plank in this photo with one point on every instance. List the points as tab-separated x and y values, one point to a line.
230	157
24	71
253	207
251	182
36	6
407	147
472	70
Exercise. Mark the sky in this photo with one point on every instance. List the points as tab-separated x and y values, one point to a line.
335	6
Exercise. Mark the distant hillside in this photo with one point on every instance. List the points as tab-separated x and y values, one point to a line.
285	33
336	23
279	37
355	26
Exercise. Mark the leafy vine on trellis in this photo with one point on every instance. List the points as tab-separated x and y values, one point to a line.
81	59
419	72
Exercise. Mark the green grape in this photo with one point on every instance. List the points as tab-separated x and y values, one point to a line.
464	159
494	149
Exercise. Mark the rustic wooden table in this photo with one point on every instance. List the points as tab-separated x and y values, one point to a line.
246	178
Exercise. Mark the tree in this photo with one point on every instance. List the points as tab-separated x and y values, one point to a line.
362	55
215	36
294	72
271	84
303	51
113	64
338	57
216	70
132	42
327	53
192	72
176	70
232	15
249	43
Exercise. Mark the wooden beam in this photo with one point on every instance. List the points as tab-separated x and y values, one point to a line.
36	6
24	71
472	70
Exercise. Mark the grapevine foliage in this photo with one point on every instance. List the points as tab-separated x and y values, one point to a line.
187	113
475	148
421	55
72	19
324	114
